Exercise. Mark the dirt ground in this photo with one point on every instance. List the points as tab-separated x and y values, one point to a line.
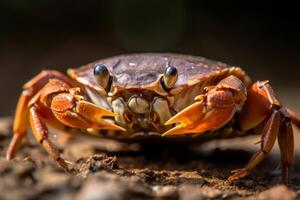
115	170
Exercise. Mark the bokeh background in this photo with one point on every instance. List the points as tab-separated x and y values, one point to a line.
262	37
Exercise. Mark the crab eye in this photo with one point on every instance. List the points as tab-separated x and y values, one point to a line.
170	77
101	75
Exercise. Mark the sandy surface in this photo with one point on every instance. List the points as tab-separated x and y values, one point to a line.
114	170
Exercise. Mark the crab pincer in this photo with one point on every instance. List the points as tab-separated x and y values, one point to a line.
211	110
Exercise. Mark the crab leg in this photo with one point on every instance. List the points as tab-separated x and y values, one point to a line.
20	124
212	110
261	105
40	132
286	145
269	135
21	121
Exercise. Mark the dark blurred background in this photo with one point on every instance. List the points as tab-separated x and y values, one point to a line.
262	37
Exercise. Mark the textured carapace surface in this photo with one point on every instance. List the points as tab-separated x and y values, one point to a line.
143	70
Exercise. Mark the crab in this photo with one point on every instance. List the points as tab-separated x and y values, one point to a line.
164	96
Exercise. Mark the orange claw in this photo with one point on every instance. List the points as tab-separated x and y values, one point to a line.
213	110
95	115
197	118
71	109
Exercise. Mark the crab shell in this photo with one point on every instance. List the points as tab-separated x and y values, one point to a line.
137	94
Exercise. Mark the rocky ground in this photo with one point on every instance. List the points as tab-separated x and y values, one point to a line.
114	170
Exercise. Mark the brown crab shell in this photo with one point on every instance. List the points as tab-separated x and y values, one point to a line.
144	71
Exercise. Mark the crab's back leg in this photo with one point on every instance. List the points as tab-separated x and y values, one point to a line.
286	145
263	107
21	120
268	138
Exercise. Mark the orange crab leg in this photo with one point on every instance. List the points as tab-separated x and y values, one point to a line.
21	120
213	109
261	105
40	132
286	145
20	124
269	135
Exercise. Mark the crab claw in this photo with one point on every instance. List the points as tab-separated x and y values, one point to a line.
199	118
95	114
72	110
212	110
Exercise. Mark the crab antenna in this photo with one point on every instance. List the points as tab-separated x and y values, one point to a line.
102	76
170	77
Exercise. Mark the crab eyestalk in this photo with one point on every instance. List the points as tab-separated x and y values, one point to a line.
102	76
170	77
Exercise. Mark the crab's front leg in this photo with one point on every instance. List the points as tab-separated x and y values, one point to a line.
212	110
